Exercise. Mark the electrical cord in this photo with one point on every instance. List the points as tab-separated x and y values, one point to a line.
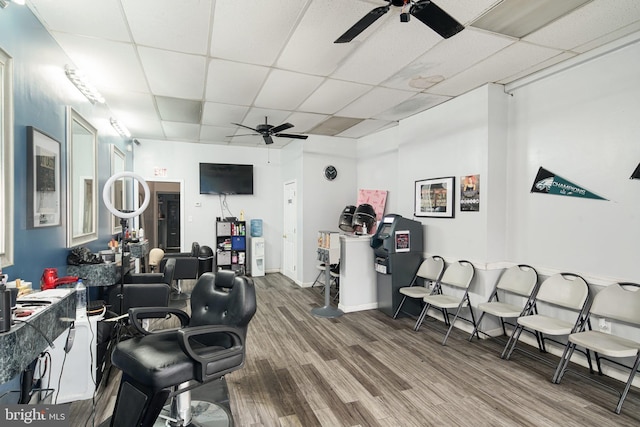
55	402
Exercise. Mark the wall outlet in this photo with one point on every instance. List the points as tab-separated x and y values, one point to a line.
604	326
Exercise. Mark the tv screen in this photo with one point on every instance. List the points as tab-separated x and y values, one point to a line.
222	178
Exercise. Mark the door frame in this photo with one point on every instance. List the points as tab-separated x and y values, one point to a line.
153	204
293	252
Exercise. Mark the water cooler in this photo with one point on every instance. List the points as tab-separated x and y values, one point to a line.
398	248
256	254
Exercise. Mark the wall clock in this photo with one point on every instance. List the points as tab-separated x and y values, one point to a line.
330	172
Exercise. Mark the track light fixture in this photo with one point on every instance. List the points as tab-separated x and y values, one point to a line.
120	128
79	79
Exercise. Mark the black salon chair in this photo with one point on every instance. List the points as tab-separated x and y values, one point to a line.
142	290
187	267
208	345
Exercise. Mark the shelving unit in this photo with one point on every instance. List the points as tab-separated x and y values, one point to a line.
231	245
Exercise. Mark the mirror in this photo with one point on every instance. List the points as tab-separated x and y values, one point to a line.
82	182
118	190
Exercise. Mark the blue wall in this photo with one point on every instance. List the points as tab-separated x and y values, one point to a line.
41	96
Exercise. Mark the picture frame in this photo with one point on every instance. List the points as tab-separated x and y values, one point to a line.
43	180
434	197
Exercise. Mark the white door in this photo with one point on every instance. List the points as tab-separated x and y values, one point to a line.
289	235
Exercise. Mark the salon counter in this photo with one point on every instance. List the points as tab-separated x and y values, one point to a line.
357	274
23	343
105	274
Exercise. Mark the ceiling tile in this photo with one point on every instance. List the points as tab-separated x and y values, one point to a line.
449	57
216	133
174	74
591	21
242	31
285	90
257	116
311	49
234	83
466	11
302	122
374	102
137	112
390	48
100	19
537	67
608	38
411	106
333	95
216	114
118	68
166	24
179	110
365	127
181	131
507	62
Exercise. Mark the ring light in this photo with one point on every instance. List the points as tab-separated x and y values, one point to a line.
106	195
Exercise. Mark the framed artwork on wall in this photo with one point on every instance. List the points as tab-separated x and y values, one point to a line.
434	197
43	179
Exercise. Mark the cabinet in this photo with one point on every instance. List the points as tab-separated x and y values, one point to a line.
231	245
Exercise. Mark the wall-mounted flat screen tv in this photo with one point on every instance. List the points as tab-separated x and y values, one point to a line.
223	178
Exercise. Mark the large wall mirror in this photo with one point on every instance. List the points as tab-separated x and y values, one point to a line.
82	191
6	159
119	189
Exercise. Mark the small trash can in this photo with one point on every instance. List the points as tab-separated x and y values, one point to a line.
205	260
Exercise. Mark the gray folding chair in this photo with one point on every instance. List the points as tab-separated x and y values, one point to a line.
519	281
619	302
429	273
562	292
456	279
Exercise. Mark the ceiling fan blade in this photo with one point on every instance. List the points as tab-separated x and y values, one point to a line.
363	24
289	135
267	139
436	19
246	127
283	126
242	134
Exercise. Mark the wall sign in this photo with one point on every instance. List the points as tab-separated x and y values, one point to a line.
470	193
547	182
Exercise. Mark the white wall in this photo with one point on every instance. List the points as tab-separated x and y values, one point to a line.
582	124
181	161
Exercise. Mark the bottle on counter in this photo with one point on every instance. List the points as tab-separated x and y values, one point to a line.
81	300
5	308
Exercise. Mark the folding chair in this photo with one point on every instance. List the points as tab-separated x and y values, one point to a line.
519	281
456	277
562	292
430	272
619	302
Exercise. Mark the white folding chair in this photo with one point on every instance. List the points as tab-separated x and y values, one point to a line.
519	281
456	278
561	292
619	302
429	272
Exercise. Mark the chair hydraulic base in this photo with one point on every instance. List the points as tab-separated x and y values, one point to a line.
203	414
178	295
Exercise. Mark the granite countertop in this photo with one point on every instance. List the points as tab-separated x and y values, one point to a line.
105	274
24	342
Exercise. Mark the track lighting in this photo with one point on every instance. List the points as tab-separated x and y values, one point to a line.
120	128
79	79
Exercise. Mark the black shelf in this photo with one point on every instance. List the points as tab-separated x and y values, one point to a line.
231	245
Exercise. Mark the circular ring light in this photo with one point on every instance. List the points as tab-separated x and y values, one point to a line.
106	195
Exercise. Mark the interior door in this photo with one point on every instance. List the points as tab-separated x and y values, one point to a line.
289	228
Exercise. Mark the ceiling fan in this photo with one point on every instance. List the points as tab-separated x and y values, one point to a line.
424	10
267	131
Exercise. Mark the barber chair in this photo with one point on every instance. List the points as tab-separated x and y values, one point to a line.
142	290
169	364
187	267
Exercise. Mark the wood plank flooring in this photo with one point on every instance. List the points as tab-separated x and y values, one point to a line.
366	369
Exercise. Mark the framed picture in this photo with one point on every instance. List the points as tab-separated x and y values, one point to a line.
43	179
434	197
470	193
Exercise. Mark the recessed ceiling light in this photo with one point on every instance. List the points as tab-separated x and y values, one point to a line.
518	18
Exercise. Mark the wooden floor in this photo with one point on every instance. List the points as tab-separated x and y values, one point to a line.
366	369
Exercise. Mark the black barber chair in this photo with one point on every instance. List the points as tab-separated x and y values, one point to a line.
209	344
142	290
187	267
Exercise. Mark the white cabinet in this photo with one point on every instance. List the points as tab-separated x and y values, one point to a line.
357	274
256	254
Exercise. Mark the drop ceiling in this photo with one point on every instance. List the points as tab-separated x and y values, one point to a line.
186	70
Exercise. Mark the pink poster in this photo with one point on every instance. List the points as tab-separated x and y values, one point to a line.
375	198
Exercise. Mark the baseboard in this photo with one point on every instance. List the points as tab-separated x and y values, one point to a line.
360	307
